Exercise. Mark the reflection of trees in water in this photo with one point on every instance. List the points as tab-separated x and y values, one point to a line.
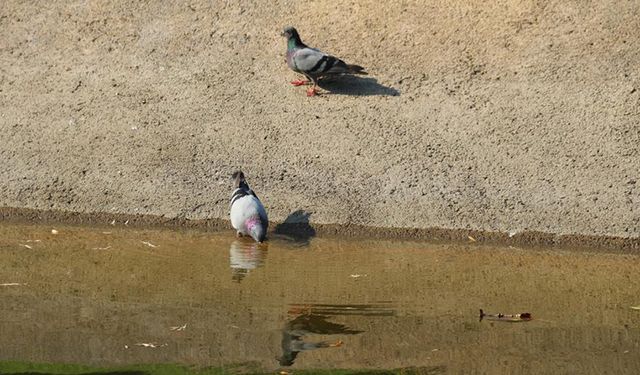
244	256
314	319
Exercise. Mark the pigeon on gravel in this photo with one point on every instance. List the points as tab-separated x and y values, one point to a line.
248	216
313	63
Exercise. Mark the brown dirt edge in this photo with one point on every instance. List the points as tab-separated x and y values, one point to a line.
525	239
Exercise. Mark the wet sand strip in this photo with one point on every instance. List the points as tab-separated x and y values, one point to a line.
522	239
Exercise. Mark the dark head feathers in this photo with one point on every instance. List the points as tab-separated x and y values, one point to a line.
237	174
238	179
290	32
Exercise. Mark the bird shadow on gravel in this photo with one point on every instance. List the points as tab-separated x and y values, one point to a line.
295	228
357	86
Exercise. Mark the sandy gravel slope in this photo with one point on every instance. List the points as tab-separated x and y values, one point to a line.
490	115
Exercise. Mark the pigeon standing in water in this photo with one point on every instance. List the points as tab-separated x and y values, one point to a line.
248	215
313	63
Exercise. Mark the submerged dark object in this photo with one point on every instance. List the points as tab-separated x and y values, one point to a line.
522	317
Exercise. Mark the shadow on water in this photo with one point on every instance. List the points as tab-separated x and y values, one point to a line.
296	228
357	86
246	255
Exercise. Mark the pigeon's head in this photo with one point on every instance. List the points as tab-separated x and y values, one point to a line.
256	229
291	32
238	178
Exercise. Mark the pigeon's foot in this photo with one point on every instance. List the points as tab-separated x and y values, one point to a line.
300	82
312	91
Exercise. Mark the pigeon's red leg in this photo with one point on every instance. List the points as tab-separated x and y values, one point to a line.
311	91
300	82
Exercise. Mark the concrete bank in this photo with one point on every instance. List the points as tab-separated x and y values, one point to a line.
497	117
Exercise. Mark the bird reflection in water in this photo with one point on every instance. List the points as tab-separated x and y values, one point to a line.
244	256
305	320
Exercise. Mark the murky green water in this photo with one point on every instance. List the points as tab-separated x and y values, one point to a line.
116	296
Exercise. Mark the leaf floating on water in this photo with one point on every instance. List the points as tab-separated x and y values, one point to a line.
149	244
179	328
635	307
522	317
337	344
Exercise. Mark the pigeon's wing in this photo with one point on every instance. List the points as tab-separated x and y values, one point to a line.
315	62
253	193
263	214
237	194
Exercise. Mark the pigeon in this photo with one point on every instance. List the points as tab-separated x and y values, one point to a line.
248	216
313	63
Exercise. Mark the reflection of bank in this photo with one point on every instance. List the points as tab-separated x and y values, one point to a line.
244	256
306	320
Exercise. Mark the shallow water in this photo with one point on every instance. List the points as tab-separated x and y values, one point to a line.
113	296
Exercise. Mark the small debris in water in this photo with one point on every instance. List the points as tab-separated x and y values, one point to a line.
101	248
512	233
635	307
150	345
522	317
27	246
356	275
471	239
53	231
12	284
113	222
149	244
179	328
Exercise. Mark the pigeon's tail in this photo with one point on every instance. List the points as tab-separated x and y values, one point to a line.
356	69
238	180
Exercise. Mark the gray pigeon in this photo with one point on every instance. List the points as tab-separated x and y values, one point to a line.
248	215
313	63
